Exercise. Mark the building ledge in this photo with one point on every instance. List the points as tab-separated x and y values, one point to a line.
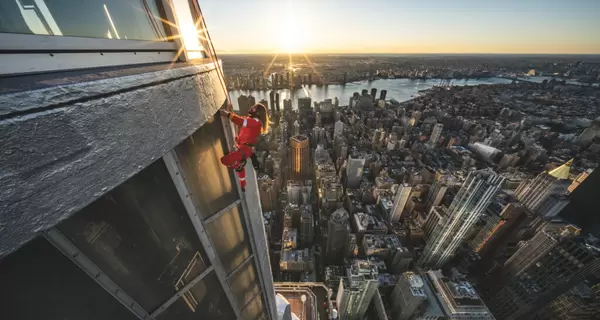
68	138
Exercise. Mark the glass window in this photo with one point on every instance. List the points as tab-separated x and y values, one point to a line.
232	246
211	183
206	300
140	235
113	19
254	310
39	282
244	284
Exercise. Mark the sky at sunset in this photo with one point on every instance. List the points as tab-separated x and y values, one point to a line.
404	26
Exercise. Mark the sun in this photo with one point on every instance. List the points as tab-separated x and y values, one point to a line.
293	37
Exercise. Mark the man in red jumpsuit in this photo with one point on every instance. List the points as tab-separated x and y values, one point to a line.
255	124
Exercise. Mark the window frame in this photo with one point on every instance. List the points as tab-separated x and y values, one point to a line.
32	53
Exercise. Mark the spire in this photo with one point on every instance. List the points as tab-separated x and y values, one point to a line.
562	172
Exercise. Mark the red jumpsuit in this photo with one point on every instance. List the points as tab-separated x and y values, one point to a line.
250	129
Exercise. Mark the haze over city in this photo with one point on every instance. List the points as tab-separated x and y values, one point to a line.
390	26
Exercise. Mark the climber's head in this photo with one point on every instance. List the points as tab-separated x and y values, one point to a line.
259	111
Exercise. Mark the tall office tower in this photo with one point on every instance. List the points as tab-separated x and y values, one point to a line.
582	302
374	92
436	194
378	135
554	261
382	94
464	211
299	157
287	105
296	127
277	102
416	116
293	191
337	235
272	100
435	134
499	227
582	209
264	103
579	179
435	219
508	160
338	129
457	297
245	103
408	296
356	291
304	107
268	192
402	195
306	225
113	205
354	172
536	192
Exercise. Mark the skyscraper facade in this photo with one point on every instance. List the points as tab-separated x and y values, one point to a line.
402	195
464	211
245	103
436	194
435	133
356	291
408	296
299	157
306	225
550	264
127	221
533	194
354	171
337	235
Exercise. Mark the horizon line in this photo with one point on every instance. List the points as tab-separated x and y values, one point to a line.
405	53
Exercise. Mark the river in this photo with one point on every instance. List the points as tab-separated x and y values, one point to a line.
398	89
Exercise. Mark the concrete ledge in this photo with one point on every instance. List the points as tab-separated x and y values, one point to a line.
62	147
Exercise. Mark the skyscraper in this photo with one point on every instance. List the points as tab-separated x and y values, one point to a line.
128	220
272	100
287	105
536	192
264	103
402	195
582	209
464	211
436	194
435	134
306	225
374	93
277	106
338	129
408	296
382	94
337	235
356	291
551	263
299	157
245	103
354	172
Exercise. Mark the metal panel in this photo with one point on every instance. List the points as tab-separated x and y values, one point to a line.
222	211
183	290
259	248
172	163
70	250
53	44
23	63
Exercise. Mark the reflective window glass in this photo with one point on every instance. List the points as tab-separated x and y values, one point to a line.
140	235
211	183
229	238
254	310
206	300
244	284
113	19
39	282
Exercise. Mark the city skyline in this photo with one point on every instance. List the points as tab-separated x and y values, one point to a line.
396	27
